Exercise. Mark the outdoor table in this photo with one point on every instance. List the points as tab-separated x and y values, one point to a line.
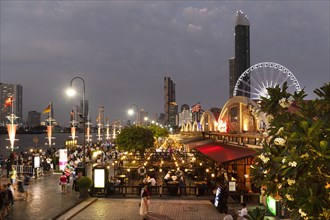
121	178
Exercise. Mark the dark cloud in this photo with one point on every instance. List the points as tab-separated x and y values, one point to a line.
123	49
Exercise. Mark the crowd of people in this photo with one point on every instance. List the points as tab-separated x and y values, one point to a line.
107	154
17	188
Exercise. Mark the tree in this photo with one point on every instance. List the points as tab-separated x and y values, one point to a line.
135	138
295	160
158	132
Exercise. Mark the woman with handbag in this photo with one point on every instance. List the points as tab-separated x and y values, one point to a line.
145	201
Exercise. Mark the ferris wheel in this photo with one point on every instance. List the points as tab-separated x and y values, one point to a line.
257	78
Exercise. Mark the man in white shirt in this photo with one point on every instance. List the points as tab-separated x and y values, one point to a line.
152	181
243	212
167	177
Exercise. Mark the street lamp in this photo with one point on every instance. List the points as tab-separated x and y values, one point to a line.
72	92
146	120
131	112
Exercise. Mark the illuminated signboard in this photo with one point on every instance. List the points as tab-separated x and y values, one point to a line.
36	161
222	126
271	204
63	158
99	178
232	186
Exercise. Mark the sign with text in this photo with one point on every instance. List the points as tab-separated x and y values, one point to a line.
232	186
63	158
99	178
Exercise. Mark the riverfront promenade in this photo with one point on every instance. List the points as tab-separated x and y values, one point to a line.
46	202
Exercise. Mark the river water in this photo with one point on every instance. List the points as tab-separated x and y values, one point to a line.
25	142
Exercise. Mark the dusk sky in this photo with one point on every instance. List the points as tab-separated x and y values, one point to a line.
124	49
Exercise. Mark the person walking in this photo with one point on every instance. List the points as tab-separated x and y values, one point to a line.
13	175
145	201
68	173
20	187
6	201
11	193
27	180
63	182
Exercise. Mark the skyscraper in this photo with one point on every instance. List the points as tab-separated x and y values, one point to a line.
232	76
101	114
16	91
86	108
170	106
242	53
33	119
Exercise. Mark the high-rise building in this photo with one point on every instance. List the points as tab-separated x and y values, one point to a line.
33	119
242	52
232	76
86	108
101	114
16	91
169	102
172	120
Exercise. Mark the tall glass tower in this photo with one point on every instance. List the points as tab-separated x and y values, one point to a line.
170	106
242	52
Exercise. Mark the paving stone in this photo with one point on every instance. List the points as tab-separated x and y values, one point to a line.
128	209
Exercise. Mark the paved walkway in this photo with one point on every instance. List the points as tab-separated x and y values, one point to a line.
45	200
128	209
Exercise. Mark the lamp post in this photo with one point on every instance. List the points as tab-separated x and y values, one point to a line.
131	112
72	92
146	120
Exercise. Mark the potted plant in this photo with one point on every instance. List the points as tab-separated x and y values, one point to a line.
257	214
84	184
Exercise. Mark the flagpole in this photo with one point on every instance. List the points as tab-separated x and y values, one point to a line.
12	127
88	135
50	124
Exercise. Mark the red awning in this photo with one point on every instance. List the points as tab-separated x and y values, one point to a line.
203	142
222	153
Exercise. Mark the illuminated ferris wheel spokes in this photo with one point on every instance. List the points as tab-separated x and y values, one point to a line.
261	76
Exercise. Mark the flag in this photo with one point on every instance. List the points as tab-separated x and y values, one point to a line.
196	108
46	110
9	101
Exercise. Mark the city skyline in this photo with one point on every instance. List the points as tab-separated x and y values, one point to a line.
123	50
